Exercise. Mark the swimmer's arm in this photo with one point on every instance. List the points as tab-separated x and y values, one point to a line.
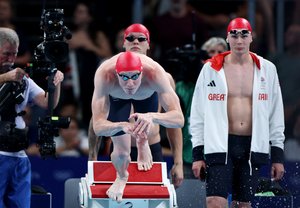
172	117
94	143
100	109
175	141
175	135
101	125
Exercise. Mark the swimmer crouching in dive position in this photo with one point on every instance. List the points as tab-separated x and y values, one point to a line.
131	79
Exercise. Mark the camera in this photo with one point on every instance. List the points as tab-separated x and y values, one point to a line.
184	63
11	93
48	128
53	49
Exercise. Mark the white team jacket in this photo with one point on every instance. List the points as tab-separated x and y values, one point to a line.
209	121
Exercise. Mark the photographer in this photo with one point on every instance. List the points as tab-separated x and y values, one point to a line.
15	174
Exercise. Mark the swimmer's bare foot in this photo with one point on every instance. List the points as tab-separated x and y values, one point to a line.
116	190
144	159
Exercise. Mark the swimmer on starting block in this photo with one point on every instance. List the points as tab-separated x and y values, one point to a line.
136	38
127	79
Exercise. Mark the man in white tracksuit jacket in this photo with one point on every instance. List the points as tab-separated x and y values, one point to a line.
236	114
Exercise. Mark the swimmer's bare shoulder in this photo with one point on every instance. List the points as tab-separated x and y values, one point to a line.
105	75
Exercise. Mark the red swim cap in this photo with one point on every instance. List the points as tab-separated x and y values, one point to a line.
138	28
128	61
239	23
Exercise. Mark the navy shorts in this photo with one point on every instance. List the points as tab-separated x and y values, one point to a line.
234	177
120	108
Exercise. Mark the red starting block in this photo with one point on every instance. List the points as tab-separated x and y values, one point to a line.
144	189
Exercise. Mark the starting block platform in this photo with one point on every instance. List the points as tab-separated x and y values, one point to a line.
144	189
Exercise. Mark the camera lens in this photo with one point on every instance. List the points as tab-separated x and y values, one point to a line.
56	51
